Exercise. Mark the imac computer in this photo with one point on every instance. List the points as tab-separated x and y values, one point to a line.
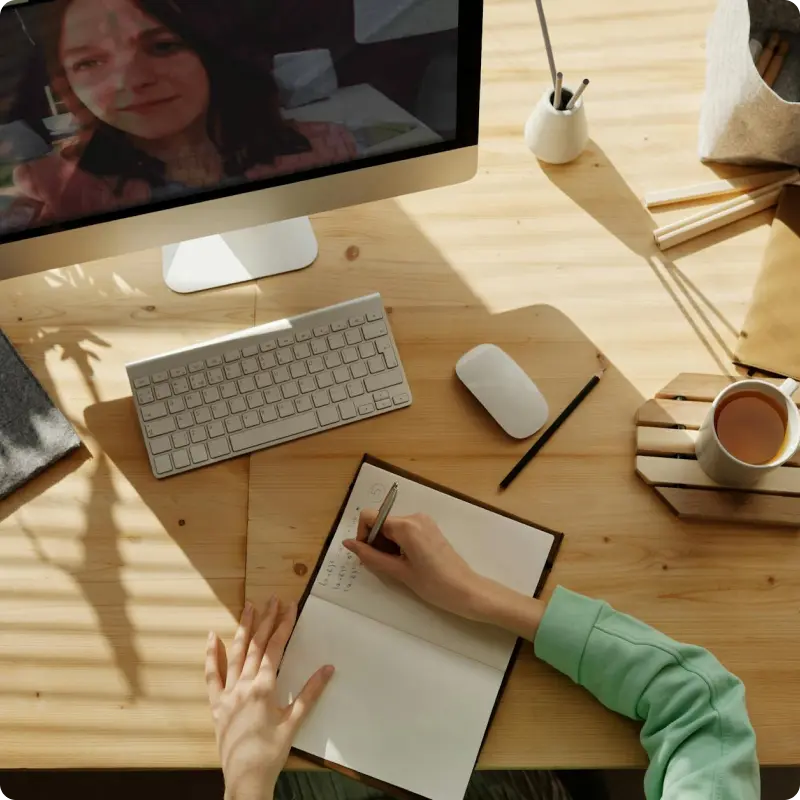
211	129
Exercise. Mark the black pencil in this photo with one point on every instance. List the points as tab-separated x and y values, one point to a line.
545	437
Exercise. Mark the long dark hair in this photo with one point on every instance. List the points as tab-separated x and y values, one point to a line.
244	119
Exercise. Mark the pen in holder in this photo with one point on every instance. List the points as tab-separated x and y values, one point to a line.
557	136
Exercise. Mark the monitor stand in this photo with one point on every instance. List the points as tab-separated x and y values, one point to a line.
228	258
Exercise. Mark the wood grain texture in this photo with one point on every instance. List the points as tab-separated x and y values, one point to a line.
108	597
672	413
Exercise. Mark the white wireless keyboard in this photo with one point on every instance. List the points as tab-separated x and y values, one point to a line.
268	385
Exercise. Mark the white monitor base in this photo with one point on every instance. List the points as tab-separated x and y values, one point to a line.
244	255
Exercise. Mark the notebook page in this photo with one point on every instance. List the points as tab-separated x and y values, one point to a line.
510	552
398	708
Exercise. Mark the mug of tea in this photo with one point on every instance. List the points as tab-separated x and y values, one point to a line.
752	428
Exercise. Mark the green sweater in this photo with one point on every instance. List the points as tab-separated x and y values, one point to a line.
696	730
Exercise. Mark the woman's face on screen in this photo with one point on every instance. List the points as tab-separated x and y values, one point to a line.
130	71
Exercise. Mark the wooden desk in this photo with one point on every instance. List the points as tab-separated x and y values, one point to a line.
109	580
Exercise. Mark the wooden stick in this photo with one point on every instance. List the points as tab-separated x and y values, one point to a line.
577	95
745	209
776	65
707	213
767	54
558	90
702	191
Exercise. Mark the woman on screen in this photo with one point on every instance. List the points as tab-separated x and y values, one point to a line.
163	111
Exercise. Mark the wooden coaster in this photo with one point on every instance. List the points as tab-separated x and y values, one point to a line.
666	432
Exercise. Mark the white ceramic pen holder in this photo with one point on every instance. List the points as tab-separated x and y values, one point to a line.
557	137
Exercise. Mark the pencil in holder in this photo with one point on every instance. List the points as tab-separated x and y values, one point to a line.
557	136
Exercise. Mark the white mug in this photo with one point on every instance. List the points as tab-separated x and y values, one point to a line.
725	468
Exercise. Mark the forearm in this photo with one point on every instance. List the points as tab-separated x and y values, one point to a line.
505	608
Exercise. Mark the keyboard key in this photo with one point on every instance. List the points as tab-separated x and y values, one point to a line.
140	383
153	411
228	390
268	361
246	385
193	400
199	453
286	340
376	364
302	336
177	372
373	330
233	424
332	360
198	380
198	435
355	388
251	419
400	399
268	413
175	405
158	377
390	358
286	408
302	351
160	427
280	375
307	385
383	381
367	408
233	371
366	349
232	355
210	395
320	398
273	395
374	316
180	439
249	366
355	321
145	396
335	341
338	394
315	365
298	369
163	465
266	347
185	420
196	366
338	326
181	459
202	415
322	330
214	361
347	409
290	389
303	404
381	404
282	429
285	356
238	405
353	336
163	391
219	448
359	370
250	351
319	346
324	380
383	344
160	445
263	379
328	415
381	395
341	375
215	375
349	355
255	400
180	386
216	429
220	410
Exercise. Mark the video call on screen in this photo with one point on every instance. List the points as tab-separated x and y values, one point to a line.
108	105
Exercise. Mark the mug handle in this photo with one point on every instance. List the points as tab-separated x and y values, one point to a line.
789	387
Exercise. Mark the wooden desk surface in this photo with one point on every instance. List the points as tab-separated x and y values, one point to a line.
109	580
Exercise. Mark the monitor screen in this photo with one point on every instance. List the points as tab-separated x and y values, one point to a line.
116	107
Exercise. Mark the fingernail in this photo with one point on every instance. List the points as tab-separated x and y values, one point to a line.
348	543
272	601
328	671
210	636
248	608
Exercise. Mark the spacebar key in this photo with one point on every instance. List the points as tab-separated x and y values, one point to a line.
255	437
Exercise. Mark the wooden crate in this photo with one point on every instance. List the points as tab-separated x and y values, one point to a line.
666	432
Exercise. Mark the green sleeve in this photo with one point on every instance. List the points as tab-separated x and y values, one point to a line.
696	731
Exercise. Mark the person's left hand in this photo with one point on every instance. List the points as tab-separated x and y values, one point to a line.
254	732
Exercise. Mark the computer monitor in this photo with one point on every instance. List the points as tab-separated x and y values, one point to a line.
194	124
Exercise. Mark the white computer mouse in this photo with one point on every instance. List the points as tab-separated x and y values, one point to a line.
504	390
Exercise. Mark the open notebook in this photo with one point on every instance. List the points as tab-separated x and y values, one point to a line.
415	688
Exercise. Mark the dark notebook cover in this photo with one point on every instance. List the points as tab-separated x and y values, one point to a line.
33	433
